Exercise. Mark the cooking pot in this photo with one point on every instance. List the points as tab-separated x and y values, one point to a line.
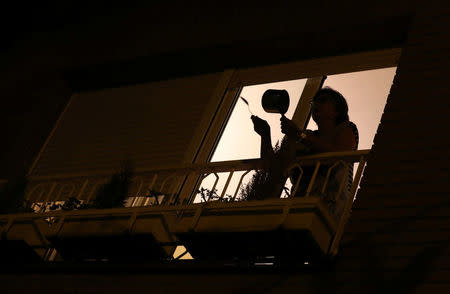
275	101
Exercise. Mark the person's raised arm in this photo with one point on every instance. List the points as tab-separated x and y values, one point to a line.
293	134
290	129
262	128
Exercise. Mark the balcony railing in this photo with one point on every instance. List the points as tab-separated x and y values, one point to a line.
177	193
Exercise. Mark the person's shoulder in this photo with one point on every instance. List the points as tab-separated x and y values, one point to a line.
344	125
347	125
351	124
349	128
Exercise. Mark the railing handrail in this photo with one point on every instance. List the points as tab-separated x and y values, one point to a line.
157	209
221	166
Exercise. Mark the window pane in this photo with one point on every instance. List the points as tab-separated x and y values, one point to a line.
366	93
239	141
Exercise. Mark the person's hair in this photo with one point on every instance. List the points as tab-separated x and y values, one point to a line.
339	102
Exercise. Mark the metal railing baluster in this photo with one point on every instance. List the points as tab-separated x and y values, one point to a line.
239	184
340	229
294	191
214	186
313	178
226	185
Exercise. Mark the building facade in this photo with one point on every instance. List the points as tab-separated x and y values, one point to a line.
397	235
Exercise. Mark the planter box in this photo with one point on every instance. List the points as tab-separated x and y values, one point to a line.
299	229
116	236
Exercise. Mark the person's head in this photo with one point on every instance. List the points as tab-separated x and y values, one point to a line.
329	105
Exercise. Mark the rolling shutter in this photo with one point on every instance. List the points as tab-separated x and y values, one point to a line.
154	124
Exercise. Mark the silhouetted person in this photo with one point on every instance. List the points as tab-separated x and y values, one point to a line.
335	132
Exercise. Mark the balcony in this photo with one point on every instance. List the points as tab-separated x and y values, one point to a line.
220	228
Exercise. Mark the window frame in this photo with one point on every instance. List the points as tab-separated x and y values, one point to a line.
315	70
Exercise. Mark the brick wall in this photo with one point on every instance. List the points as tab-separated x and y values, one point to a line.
398	236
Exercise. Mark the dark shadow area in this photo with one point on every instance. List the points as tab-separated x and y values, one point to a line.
122	249
390	33
286	248
17	252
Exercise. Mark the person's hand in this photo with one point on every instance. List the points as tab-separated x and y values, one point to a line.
307	135
289	128
260	126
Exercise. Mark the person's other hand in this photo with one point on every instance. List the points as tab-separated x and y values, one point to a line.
307	134
260	126
288	127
